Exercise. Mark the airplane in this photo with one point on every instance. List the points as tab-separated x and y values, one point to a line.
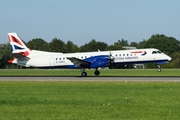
24	56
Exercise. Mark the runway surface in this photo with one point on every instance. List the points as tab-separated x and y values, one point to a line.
88	79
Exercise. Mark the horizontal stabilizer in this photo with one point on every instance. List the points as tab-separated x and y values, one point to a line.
20	56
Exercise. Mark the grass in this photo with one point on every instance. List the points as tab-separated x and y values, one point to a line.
77	72
89	100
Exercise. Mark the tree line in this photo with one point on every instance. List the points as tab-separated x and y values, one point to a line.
168	45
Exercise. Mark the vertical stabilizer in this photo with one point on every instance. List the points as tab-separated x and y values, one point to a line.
19	49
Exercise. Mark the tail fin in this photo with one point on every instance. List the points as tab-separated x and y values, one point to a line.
19	49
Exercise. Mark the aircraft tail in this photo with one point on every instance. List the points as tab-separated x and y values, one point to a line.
19	49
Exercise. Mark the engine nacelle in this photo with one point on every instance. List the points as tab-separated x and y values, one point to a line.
98	61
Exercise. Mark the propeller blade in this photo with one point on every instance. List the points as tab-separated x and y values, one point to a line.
111	59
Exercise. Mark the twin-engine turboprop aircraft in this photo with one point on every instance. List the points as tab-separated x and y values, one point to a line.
40	59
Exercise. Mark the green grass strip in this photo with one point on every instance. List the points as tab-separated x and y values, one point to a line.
89	100
77	72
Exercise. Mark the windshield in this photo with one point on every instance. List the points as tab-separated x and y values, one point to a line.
156	52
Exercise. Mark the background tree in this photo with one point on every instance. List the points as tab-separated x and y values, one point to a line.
57	45
123	42
93	45
134	44
71	47
142	44
115	46
5	55
38	44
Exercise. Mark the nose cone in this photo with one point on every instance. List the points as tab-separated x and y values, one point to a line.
169	58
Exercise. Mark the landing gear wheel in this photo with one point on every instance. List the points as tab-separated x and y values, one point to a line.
96	72
159	68
83	74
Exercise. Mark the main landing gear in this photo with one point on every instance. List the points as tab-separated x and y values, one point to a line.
96	72
84	74
159	68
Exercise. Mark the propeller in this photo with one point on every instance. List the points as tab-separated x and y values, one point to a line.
111	60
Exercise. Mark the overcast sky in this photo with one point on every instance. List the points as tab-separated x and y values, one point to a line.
83	20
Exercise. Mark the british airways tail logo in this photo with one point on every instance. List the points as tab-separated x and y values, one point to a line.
17	46
16	40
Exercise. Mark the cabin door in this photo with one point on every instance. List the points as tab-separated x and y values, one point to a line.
51	61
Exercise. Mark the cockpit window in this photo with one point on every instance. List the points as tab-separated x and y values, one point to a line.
154	52
159	52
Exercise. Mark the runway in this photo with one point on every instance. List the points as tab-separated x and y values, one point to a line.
88	79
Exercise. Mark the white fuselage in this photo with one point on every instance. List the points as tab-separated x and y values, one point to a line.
51	59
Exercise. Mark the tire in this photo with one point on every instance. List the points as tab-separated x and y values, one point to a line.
96	72
83	74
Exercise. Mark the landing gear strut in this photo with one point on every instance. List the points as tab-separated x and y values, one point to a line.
159	68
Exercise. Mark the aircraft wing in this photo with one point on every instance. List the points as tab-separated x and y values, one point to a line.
79	62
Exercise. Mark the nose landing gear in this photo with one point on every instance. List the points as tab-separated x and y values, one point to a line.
159	68
83	74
